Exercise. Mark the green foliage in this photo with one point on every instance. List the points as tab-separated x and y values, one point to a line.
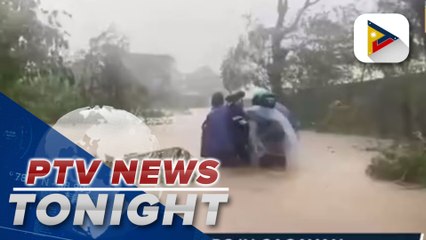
32	69
413	10
104	78
246	63
242	67
323	52
34	73
29	47
402	161
318	53
48	98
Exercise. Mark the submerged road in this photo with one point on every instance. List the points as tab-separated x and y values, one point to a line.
328	192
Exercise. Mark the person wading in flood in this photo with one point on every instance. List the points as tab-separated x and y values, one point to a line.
217	140
272	136
240	128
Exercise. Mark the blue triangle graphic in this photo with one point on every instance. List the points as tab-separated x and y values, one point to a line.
386	34
22	137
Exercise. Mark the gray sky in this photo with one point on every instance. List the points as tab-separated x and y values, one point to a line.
194	32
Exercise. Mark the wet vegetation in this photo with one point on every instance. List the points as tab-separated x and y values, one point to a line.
310	50
38	70
402	162
313	70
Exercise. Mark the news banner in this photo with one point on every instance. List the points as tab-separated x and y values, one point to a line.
54	189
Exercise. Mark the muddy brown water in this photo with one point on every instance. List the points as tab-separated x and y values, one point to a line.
329	191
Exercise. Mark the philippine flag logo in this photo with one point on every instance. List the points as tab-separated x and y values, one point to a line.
378	38
381	38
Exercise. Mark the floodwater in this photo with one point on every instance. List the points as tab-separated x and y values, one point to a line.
329	191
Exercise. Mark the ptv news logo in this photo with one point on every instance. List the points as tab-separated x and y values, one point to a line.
381	38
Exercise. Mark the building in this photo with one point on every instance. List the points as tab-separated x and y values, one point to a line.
155	72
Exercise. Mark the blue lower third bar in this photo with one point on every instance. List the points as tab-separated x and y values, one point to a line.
238	236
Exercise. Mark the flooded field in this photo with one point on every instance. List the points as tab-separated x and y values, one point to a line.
329	191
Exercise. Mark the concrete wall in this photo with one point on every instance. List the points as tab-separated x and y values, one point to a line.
386	107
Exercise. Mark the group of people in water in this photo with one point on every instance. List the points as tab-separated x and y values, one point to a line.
261	135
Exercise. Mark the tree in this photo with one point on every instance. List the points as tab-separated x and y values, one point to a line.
250	52
242	67
414	11
278	34
29	47
33	71
322	52
102	75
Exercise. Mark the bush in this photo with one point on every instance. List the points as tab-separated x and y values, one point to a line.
48	98
401	161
